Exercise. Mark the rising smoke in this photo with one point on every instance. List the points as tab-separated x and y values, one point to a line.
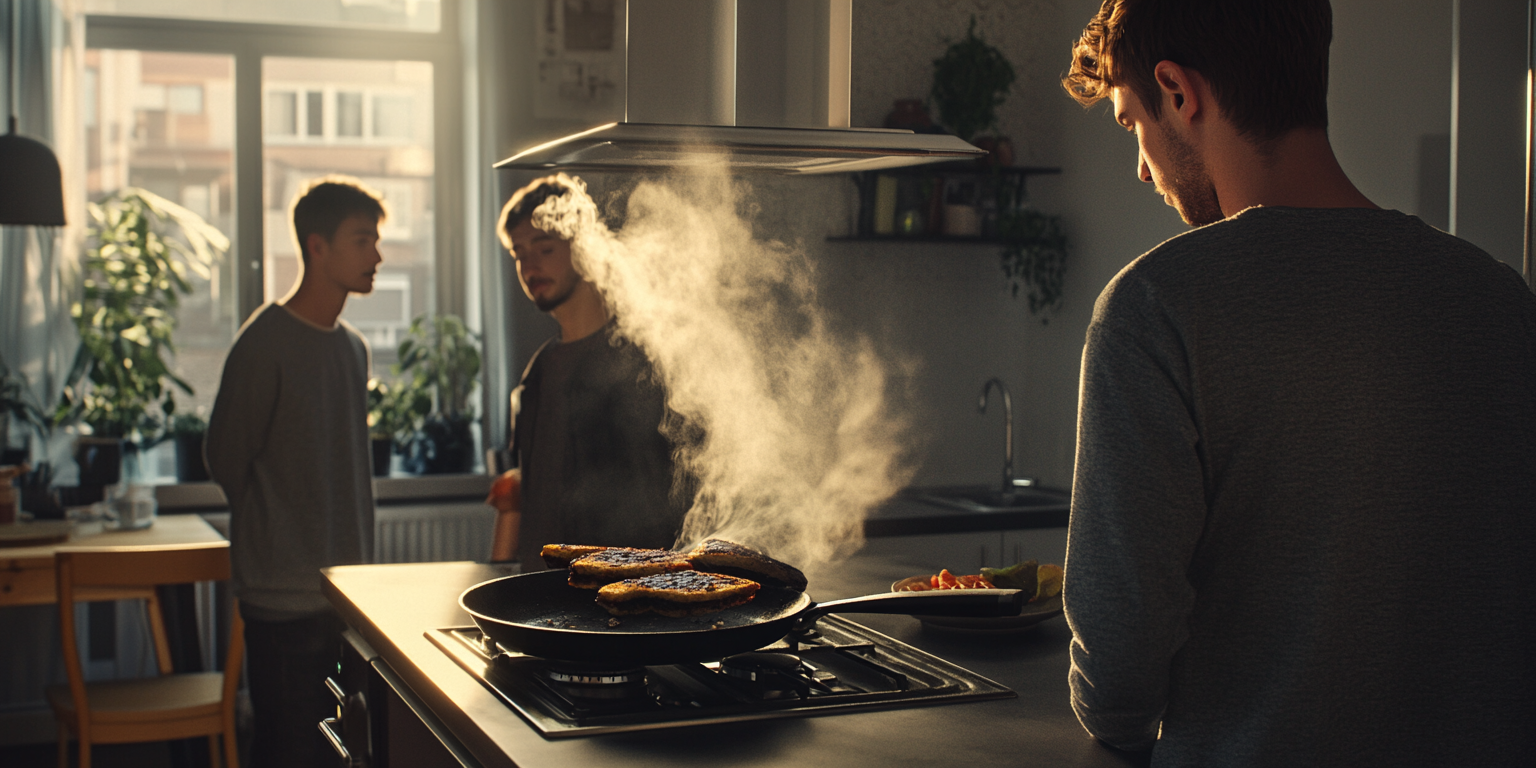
800	441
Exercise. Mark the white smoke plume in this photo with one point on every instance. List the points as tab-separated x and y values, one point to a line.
800	439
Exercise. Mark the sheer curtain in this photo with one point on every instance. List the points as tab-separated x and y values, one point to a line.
37	264
36	336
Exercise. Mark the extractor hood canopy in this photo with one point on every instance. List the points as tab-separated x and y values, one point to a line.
653	147
681	94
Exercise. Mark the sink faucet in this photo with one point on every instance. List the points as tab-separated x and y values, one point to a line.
981	406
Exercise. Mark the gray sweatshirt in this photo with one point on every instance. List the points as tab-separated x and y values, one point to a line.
288	442
1304	513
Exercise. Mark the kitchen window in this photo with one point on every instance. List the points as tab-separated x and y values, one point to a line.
229	117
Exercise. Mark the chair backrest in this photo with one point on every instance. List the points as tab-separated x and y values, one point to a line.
142	566
146	566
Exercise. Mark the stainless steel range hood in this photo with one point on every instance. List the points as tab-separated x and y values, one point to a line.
682	94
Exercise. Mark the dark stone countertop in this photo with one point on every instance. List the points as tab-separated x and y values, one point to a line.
392	605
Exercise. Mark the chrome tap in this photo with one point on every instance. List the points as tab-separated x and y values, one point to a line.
981	407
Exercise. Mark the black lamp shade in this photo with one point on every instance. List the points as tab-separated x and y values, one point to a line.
31	185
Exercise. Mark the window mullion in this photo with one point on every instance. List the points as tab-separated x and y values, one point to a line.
250	242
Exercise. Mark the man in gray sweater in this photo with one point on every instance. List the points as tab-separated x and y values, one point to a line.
1304	513
288	442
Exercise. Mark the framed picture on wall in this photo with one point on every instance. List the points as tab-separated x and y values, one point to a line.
581	60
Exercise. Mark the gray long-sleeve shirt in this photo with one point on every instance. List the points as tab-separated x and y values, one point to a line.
288	442
1304	513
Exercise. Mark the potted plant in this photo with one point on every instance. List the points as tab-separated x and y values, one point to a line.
143	248
393	411
439	356
187	431
1034	257
970	81
18	408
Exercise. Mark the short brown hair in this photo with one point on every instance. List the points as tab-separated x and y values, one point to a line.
324	203
525	201
1266	60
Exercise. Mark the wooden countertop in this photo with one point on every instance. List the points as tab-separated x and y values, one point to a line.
392	605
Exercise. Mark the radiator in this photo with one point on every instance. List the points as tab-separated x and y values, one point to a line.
422	534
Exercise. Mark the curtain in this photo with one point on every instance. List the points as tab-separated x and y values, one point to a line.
37	264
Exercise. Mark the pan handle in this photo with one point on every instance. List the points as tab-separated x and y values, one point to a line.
977	603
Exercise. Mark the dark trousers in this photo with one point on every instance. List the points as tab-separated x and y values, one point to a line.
286	666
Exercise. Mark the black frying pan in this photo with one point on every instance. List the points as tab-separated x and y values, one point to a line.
540	615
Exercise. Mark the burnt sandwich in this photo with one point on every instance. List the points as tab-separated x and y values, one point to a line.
561	555
677	594
732	559
618	563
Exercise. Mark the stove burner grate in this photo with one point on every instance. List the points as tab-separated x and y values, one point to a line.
842	667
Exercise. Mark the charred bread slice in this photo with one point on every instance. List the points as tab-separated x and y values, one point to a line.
732	559
561	555
618	563
676	594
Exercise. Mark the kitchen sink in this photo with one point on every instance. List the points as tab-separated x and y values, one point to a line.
990	498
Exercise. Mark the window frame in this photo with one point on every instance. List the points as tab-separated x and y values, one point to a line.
249	43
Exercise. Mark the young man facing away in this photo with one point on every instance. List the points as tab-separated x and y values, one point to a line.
288	442
1303	521
594	465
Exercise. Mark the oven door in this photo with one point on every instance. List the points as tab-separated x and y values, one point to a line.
379	720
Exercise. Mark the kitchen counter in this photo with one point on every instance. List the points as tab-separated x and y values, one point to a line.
392	605
903	515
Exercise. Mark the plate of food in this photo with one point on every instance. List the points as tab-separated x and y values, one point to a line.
1043	580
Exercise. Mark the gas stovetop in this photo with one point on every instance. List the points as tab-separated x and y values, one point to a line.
836	667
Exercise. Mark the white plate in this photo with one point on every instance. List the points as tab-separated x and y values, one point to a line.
1032	614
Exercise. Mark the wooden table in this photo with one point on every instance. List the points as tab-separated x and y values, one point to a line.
26	573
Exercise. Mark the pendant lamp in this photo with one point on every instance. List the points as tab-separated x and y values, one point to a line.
31	184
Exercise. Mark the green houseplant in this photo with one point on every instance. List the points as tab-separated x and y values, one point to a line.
393	411
188	430
440	357
143	248
18	408
1034	258
970	81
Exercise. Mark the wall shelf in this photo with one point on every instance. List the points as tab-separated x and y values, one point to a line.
920	197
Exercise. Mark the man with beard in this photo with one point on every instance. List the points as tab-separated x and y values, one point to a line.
593	464
1303	521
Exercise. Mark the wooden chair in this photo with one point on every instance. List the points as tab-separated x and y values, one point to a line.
170	706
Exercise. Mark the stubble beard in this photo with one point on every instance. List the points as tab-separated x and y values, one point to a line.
1188	186
552	301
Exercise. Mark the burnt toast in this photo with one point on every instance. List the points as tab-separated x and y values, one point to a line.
732	559
676	594
618	563
561	555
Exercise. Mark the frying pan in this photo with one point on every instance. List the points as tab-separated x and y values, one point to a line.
539	614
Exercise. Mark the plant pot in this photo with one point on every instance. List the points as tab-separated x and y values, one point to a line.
442	446
383	449
100	460
189	459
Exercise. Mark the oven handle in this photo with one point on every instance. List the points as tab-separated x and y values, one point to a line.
328	727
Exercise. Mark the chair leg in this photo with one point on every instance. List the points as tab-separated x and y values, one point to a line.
231	743
213	750
63	746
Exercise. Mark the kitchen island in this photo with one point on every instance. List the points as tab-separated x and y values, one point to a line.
391	606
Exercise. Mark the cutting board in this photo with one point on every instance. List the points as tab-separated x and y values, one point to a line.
33	534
